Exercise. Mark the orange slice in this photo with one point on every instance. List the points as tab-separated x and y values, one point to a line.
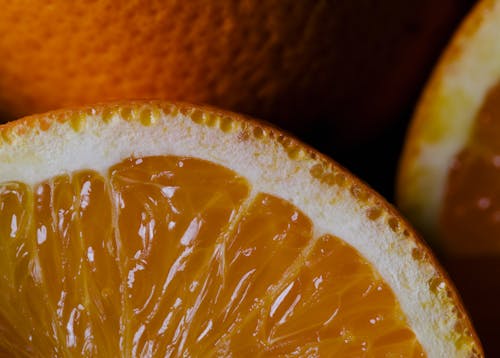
154	229
454	121
449	179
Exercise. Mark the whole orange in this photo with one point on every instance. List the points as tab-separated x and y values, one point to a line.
342	67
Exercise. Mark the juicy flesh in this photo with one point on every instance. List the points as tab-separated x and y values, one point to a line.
470	219
170	256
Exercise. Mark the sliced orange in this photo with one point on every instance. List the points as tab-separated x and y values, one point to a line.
154	229
449	179
455	128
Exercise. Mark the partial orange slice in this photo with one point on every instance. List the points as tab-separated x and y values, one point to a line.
449	179
449	169
154	229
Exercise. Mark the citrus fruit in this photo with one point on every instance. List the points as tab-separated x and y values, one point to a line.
449	175
449	162
342	67
160	229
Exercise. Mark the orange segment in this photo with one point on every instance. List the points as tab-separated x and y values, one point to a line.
171	213
17	275
194	265
337	299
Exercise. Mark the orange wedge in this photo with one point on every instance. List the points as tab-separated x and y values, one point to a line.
158	229
449	179
453	130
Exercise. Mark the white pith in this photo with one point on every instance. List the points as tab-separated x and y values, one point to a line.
468	70
36	155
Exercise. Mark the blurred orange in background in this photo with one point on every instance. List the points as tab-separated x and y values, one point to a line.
449	180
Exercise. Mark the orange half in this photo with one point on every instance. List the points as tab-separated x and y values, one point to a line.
158	229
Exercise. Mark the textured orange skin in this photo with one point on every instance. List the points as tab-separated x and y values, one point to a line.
347	67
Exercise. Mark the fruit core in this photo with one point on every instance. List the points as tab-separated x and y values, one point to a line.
470	217
170	256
